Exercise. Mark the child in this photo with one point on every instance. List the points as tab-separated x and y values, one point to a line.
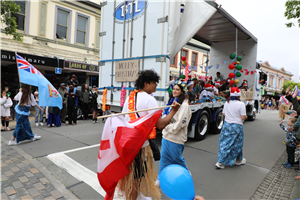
290	142
6	103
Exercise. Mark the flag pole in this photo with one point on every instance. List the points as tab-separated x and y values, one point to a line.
18	69
157	108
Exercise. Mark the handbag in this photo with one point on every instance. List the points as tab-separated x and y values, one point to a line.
153	145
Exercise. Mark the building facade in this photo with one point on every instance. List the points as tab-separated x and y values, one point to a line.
56	34
276	78
196	53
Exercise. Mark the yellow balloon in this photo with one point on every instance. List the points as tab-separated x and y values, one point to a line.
236	81
237	62
183	63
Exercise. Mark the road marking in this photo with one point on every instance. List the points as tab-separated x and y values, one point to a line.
77	170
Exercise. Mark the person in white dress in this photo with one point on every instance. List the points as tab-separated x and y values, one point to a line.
6	103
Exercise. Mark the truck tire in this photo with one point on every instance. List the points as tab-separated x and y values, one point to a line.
202	126
252	117
218	124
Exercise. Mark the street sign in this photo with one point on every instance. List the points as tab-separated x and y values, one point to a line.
57	70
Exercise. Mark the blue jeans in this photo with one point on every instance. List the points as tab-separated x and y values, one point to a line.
37	113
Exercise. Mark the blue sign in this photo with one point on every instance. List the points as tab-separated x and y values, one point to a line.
137	9
57	70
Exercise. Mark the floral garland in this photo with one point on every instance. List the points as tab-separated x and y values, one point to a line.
104	99
131	107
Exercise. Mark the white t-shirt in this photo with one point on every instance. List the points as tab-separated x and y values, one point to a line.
216	90
282	101
144	101
30	103
233	111
206	93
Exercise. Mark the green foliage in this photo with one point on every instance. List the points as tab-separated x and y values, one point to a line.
292	85
8	9
292	11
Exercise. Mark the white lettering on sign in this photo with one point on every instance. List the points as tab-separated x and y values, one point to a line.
125	10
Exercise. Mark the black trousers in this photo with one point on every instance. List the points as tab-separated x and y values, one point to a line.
72	114
291	154
85	109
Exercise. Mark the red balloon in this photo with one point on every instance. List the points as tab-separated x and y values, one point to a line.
231	66
231	75
231	82
183	58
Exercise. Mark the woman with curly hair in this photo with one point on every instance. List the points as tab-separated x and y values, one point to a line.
175	134
23	129
140	180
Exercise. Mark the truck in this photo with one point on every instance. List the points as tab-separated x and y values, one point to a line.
143	34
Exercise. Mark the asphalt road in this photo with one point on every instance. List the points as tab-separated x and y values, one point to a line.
70	153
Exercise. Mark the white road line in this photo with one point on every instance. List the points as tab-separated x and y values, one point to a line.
79	171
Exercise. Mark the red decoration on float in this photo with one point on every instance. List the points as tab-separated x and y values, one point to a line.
231	82
231	75
231	66
183	58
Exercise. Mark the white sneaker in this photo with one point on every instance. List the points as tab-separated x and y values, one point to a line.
12	142
36	124
242	162
36	137
219	165
53	125
41	124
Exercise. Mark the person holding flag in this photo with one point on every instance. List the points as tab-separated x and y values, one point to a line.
23	128
140	180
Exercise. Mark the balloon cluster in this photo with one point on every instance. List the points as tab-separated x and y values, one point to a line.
235	65
183	61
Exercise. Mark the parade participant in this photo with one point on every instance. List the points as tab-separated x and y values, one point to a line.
207	92
140	180
63	92
283	104
219	77
175	134
23	129
6	103
196	86
232	133
216	87
95	104
290	142
37	111
85	99
192	96
72	105
53	117
73	81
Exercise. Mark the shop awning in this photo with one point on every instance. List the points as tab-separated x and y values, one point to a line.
221	27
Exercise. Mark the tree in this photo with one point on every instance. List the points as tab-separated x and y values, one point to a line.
8	9
291	83
292	11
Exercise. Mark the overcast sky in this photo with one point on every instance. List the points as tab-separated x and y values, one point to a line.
265	20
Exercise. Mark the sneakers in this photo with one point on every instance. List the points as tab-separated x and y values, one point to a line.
53	125
36	124
285	163
219	165
242	162
288	165
94	121
12	142
36	137
41	124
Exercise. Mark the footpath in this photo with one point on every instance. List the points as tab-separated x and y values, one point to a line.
24	177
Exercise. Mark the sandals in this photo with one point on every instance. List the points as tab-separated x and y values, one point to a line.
3	128
8	129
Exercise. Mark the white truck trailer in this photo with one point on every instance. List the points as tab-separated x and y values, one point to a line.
144	34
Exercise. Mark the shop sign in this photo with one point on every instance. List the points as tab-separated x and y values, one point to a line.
10	56
81	66
126	70
135	8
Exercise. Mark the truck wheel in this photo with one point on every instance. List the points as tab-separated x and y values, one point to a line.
218	124
252	117
202	126
79	112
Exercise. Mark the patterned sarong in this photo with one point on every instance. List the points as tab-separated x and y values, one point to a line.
23	128
231	143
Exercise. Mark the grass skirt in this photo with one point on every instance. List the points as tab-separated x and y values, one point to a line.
145	183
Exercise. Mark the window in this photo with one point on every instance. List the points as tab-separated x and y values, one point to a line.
62	24
185	53
174	61
20	16
81	30
194	61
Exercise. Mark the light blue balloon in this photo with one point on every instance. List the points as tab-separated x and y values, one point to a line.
177	183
